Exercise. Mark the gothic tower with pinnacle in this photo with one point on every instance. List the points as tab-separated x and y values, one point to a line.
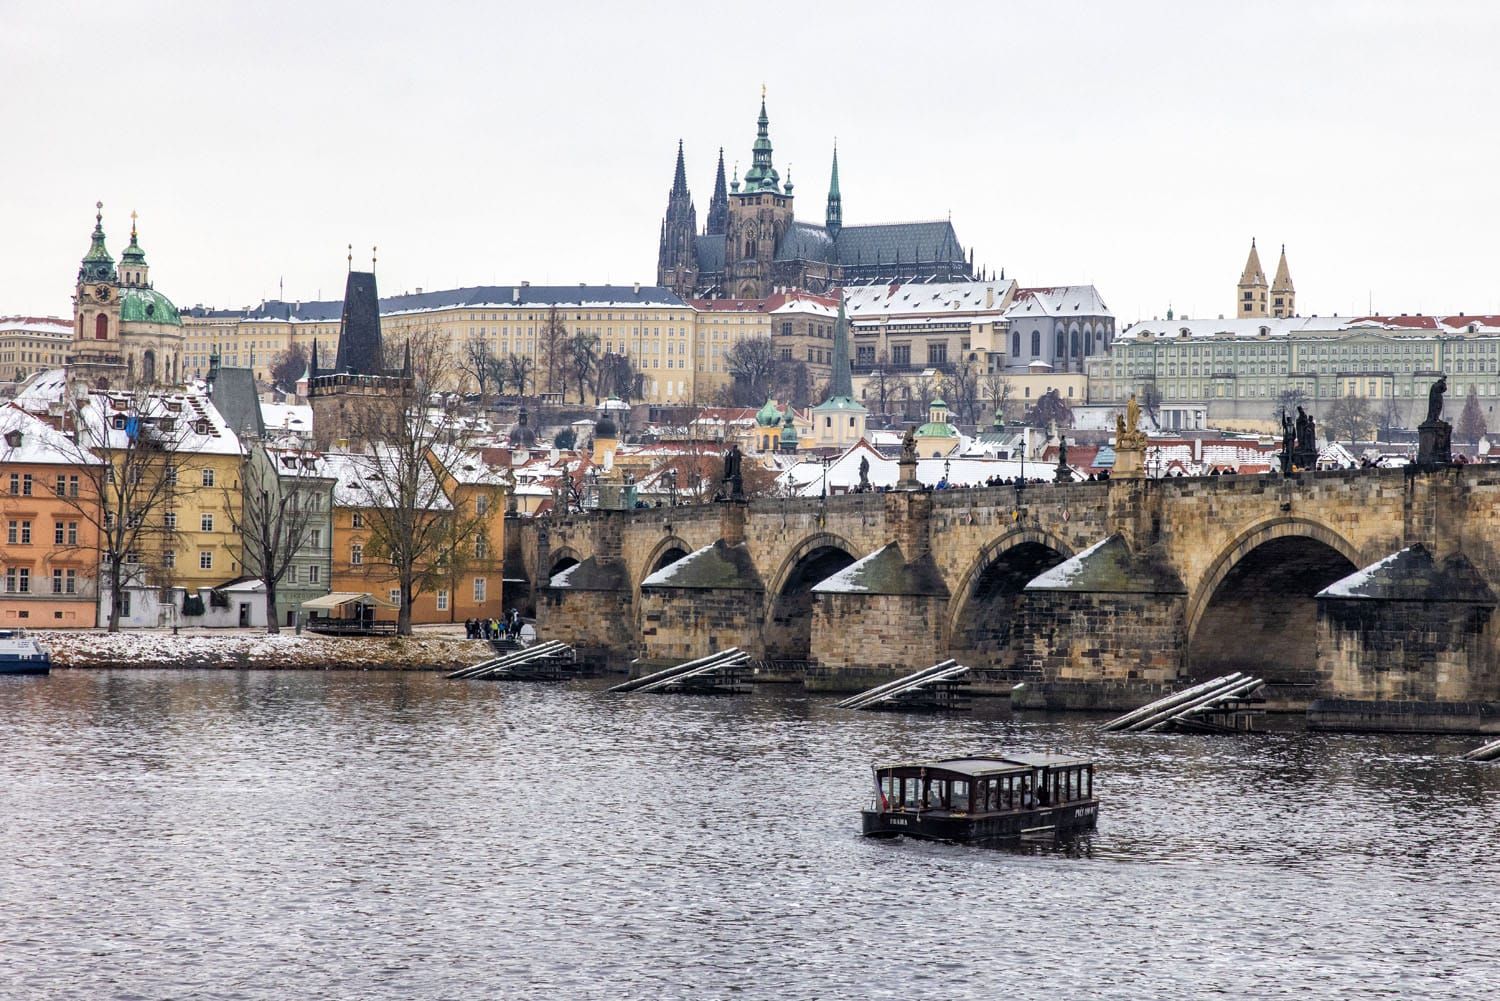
1251	292
718	208
760	213
676	258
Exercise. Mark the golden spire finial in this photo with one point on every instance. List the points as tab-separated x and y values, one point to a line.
132	224
351	257
99	212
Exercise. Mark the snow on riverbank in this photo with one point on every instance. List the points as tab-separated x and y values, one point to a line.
261	651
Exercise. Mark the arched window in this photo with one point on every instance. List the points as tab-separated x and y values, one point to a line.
1036	343
101	327
1061	345
1015	344
1076	350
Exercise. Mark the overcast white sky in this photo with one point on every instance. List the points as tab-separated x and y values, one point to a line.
1137	146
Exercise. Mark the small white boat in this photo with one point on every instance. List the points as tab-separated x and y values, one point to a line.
22	654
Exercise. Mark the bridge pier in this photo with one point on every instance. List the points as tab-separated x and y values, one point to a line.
1103	630
709	600
587	605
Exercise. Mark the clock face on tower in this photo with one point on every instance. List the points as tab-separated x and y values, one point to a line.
101	292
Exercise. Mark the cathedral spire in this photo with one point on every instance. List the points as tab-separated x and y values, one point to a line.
835	218
1283	282
718	207
1251	290
762	175
679	180
1253	274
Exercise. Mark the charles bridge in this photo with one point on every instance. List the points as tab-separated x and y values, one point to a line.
1358	588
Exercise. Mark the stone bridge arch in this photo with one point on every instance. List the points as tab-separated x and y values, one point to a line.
1254	608
787	624
558	560
983	606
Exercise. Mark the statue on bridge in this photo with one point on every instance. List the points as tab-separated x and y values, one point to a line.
1435	435
1435	399
733	480
864	474
1305	441
1288	443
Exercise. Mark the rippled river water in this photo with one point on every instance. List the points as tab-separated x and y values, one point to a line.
281	835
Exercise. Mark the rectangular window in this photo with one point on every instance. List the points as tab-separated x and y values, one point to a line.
57	533
206	523
937	354
15	483
315	538
356	554
442	601
901	355
169	519
480	585
314	574
13	532
62	484
70	585
169	559
208	477
26	485
23	580
481	504
481	548
72	486
358	519
171	476
25	533
205	559
395	596
57	582
72	533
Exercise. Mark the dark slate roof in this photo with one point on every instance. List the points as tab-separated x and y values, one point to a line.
806	242
233	394
478	295
360	348
709	251
908	241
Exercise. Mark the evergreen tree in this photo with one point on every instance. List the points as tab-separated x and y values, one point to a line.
1471	425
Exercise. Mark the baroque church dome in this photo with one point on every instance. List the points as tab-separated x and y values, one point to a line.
146	305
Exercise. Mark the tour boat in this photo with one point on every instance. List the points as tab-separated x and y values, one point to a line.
983	798
20	654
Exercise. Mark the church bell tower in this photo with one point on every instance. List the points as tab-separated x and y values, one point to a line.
95	359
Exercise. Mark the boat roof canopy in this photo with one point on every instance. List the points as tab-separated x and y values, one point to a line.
975	765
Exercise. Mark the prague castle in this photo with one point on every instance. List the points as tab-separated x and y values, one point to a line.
752	242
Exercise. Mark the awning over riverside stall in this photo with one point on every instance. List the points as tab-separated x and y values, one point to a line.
339	599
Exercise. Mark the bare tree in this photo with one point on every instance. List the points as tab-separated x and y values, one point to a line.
1349	417
963	393
479	363
752	364
518	369
286	497
583	361
883	385
791	381
552	345
1150	401
289	366
618	377
1050	407
413	524
1390	417
1286	403
999	390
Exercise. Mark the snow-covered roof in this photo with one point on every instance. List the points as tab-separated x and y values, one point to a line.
359	480
806	478
1058	301
187	420
870	302
54	325
467	466
37	442
286	416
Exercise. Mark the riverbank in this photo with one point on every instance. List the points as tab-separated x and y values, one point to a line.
429	650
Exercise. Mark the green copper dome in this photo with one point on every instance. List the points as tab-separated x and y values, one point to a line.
768	416
937	429
133	254
146	305
97	265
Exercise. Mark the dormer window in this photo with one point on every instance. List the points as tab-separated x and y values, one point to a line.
13	439
118	423
202	427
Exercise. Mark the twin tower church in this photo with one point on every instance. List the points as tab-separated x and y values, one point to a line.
752	243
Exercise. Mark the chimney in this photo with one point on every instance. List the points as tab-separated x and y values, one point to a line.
526	284
637	288
419	290
515	295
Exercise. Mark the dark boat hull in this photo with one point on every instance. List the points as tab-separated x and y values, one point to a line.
26	667
1068	818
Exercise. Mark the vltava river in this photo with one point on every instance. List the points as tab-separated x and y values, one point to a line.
290	835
